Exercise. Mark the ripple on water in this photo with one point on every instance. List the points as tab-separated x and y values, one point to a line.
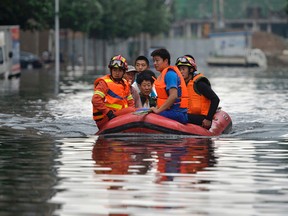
243	177
80	174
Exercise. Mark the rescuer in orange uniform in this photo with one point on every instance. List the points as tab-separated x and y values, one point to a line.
112	95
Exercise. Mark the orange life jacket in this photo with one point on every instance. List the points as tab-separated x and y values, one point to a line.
160	87
192	155
116	98
197	104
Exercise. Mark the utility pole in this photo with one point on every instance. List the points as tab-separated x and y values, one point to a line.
221	16
215	14
57	53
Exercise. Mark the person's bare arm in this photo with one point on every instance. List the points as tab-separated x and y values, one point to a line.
173	95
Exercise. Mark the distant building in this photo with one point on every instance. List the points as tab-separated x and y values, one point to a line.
197	19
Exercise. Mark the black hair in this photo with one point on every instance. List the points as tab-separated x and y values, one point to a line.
145	75
141	57
163	53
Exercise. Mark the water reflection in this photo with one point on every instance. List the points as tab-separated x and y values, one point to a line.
9	86
38	84
27	173
167	158
148	175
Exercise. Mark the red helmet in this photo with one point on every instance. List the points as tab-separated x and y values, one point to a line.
186	61
118	62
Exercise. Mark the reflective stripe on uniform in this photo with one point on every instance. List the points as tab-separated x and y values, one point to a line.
114	95
115	106
130	97
100	93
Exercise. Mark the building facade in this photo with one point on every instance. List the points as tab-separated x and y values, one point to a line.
197	19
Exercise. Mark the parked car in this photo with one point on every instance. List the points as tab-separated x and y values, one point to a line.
29	60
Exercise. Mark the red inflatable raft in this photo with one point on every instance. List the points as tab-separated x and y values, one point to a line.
152	123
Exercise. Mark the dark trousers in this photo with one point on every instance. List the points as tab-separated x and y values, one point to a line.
196	119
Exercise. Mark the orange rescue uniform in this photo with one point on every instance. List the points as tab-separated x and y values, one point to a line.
110	95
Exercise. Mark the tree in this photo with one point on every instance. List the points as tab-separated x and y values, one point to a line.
123	19
120	19
29	14
102	19
158	17
126	18
80	15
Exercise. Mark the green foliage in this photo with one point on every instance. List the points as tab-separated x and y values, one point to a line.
120	19
232	9
126	18
106	19
187	9
29	14
157	17
80	15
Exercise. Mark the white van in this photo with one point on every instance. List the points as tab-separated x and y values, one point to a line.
9	51
3	66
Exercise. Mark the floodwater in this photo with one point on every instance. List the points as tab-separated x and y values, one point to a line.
51	163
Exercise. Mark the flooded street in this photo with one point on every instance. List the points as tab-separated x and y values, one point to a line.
52	163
